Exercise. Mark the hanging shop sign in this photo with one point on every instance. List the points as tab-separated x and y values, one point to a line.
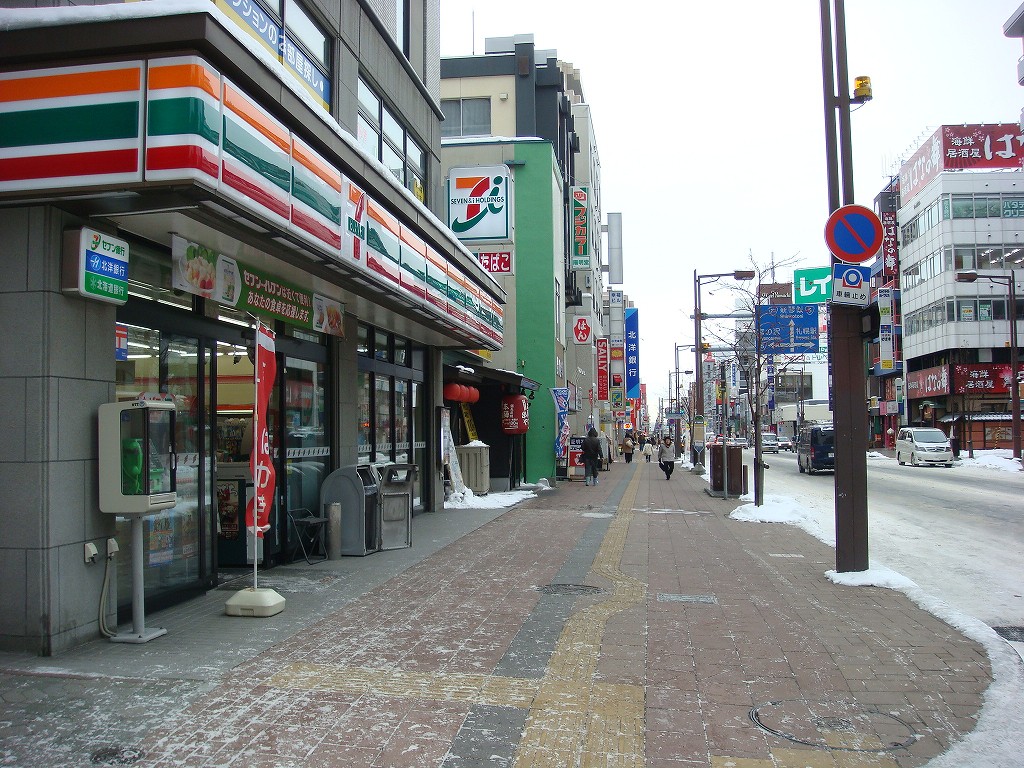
95	266
632	353
496	262
202	271
580	228
515	414
602	368
480	202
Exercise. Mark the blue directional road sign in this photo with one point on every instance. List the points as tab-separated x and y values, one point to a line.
788	329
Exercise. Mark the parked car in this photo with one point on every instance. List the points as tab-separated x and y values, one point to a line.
737	441
923	445
769	442
785	443
815	448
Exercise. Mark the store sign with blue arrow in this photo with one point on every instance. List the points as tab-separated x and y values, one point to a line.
787	329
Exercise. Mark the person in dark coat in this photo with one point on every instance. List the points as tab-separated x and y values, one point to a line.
591	456
667	456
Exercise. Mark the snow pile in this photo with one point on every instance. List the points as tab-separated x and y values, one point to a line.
783	509
875	576
1000	458
469	500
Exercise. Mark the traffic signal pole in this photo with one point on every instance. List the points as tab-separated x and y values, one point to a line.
847	385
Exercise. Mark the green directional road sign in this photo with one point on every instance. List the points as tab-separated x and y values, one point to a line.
812	286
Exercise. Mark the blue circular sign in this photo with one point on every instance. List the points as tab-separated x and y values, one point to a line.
853	233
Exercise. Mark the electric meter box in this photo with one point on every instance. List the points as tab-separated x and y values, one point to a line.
137	457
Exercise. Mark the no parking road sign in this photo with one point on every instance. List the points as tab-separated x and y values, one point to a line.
853	233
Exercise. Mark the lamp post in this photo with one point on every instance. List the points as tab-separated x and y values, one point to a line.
698	281
971	276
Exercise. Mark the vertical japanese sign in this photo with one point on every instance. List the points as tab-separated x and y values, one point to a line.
561	397
632	326
886	354
890	245
257	511
580	228
602	369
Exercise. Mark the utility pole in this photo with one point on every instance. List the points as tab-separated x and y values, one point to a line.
846	370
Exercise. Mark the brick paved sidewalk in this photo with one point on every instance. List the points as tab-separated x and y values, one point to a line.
627	624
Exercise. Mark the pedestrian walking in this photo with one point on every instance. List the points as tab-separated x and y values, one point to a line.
667	457
592	456
647	451
627	449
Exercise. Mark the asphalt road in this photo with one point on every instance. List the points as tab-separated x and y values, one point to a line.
957	532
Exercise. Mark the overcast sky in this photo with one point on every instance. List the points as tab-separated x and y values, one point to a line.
709	121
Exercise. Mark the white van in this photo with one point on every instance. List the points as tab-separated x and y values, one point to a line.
923	445
769	442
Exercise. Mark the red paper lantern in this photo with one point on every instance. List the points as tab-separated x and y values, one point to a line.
474	395
451	391
515	414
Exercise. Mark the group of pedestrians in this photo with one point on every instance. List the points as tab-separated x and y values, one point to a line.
592	454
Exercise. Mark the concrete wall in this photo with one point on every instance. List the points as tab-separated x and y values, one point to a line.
58	368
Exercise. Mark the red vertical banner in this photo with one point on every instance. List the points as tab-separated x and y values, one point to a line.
602	369
260	462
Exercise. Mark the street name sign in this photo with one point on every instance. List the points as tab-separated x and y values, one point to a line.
788	328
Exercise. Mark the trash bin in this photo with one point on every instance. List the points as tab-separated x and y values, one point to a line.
357	489
737	470
475	461
396	487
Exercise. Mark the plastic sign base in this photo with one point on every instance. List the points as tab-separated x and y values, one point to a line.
258	603
144	636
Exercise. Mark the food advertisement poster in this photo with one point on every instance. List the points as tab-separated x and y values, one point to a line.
202	271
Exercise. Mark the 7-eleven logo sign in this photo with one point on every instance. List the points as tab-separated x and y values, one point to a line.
581	330
478	203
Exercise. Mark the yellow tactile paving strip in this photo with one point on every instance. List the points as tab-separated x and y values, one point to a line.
574	720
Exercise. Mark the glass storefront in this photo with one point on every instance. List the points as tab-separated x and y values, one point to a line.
390	400
175	368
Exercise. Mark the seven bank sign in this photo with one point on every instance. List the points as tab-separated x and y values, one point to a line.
480	203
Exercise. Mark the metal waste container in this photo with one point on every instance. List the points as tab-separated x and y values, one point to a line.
357	488
737	470
475	461
396	488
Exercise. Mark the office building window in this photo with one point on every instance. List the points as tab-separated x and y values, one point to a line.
466	117
383	136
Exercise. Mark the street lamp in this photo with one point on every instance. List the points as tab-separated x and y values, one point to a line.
698	281
970	276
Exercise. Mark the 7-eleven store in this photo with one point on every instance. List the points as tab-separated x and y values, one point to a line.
227	207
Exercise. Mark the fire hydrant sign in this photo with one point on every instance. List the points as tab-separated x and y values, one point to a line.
95	266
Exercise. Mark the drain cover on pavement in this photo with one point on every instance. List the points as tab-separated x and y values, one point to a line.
1013	634
117	756
570	589
842	726
666	597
